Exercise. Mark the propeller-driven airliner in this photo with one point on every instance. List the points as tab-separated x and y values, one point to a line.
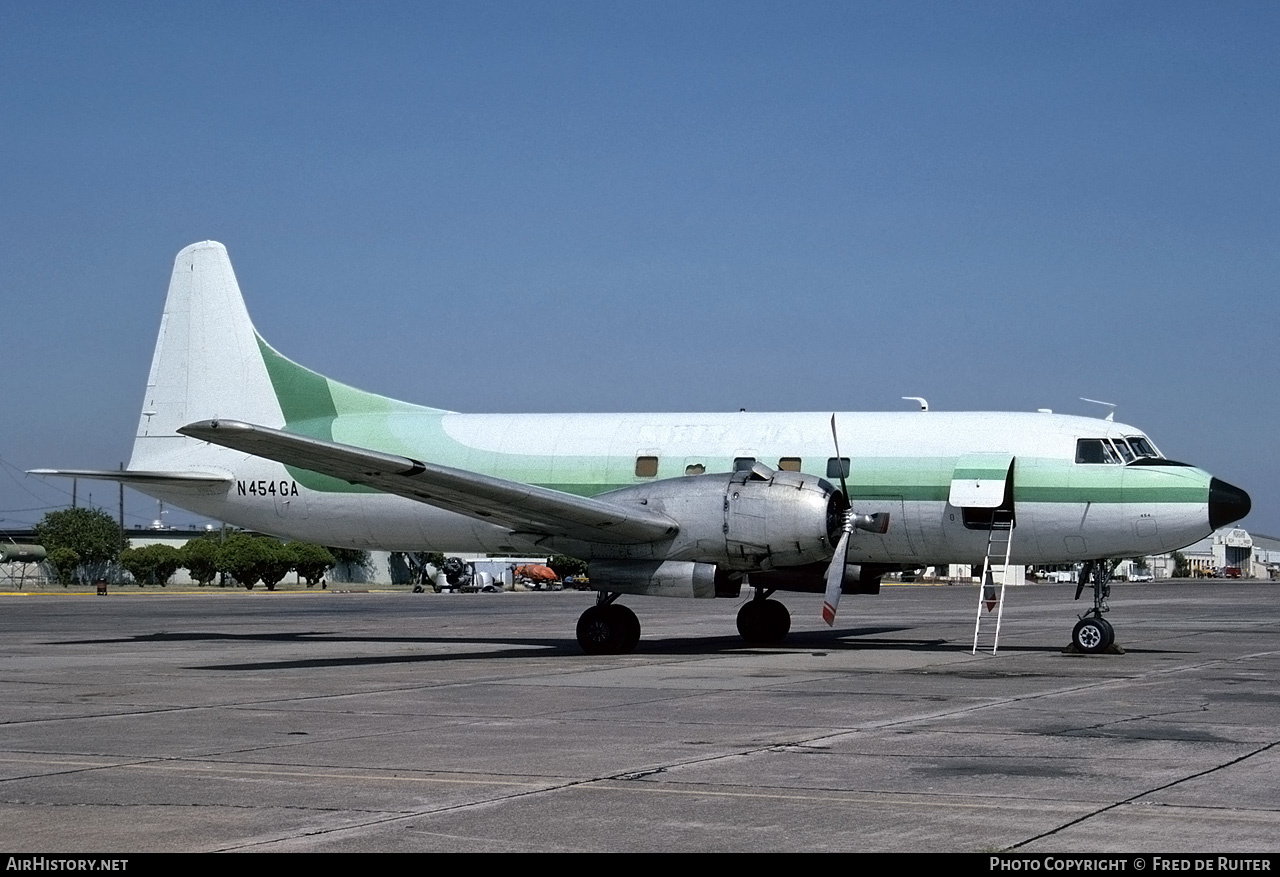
675	505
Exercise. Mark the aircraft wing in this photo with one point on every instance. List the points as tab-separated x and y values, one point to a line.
524	508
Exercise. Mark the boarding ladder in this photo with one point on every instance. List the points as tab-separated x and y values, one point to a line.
999	551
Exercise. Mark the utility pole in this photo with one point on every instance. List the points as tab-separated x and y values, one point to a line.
124	543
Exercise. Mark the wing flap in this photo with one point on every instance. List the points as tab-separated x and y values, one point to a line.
524	508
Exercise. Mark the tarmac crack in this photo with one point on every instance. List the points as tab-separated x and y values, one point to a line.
1134	798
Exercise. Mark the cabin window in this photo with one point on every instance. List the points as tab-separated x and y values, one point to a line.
646	467
743	464
1095	451
789	464
695	469
838	467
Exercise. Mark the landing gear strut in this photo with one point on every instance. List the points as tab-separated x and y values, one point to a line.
763	621
608	628
1093	633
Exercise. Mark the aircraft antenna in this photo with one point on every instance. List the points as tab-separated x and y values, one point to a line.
1111	415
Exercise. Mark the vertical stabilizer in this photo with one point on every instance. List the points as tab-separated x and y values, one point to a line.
207	362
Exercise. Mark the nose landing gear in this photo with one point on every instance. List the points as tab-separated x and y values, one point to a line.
1093	634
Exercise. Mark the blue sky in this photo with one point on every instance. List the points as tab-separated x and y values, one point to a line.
649	206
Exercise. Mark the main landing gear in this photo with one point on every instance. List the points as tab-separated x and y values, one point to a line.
608	628
1093	633
762	621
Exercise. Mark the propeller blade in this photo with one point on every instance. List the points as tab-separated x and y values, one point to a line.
835	572
835	440
835	578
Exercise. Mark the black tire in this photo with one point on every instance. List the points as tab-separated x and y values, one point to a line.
629	624
764	622
1110	632
1092	635
606	630
777	621
751	621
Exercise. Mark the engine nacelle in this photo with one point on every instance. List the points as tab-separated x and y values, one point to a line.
859	578
748	520
667	578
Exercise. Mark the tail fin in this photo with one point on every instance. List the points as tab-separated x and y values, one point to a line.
206	362
210	363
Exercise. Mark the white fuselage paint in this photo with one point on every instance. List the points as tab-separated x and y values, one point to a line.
920	446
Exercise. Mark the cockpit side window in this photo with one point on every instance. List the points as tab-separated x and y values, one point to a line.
1096	451
1126	454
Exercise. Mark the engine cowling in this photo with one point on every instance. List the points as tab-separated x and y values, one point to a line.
666	578
754	519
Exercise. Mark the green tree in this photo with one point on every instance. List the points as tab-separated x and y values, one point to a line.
244	558
311	561
279	561
1181	566
200	557
355	562
64	562
138	563
565	566
166	560
151	564
92	534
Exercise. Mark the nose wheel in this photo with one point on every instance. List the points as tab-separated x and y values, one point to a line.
1093	634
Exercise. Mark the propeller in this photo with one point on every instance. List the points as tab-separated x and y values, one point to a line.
877	523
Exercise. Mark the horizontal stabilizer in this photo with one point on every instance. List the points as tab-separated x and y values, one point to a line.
133	476
524	508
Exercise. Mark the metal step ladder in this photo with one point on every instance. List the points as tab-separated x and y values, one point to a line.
991	598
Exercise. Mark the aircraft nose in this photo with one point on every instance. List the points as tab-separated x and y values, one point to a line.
1227	503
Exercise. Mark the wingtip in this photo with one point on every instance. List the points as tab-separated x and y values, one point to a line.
203	428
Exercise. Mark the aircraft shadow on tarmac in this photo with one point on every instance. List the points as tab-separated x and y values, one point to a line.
855	639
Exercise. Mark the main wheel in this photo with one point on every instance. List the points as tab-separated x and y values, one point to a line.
751	622
630	626
596	633
777	621
610	629
1092	635
763	622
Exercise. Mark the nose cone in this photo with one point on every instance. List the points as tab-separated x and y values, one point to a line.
1227	503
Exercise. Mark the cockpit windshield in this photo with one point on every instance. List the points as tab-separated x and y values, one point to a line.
1142	447
1115	451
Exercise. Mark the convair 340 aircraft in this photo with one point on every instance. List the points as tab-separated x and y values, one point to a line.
676	505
